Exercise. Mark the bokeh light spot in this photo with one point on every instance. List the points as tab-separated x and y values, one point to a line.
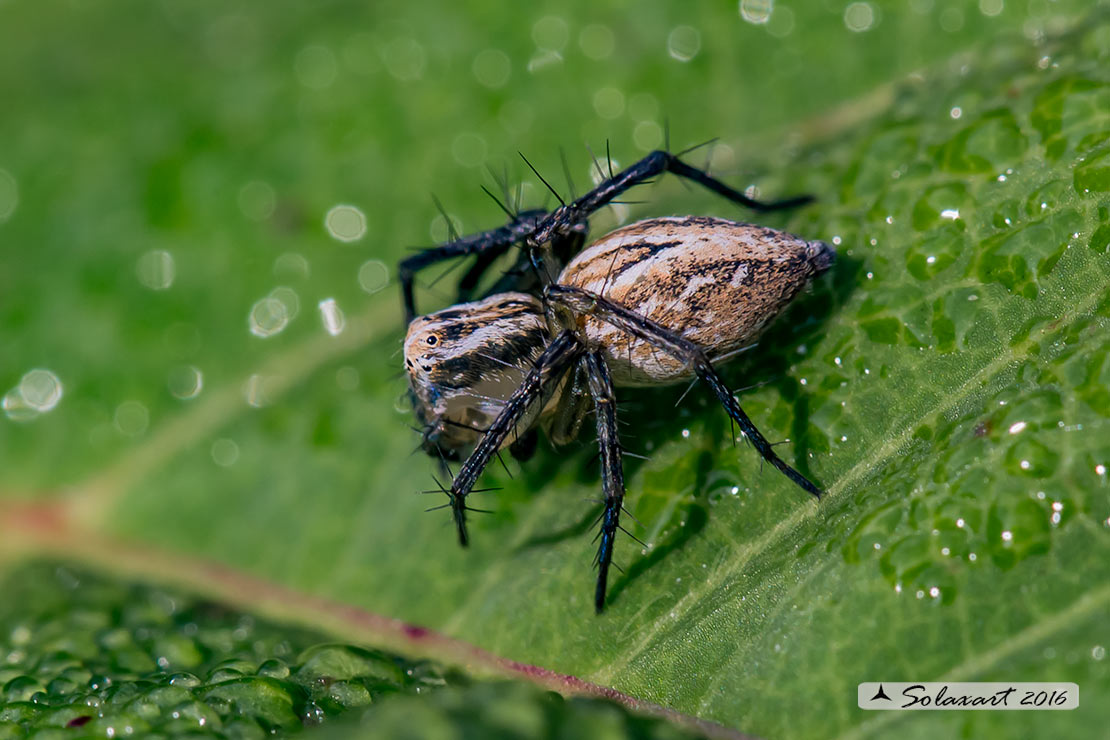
185	382
332	316
345	223
684	43
225	452
596	41
469	149
859	17
132	418
268	316
551	33
492	68
373	276
757	12
156	269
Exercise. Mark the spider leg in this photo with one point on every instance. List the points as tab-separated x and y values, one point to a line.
584	302
650	166
601	388
547	372
494	242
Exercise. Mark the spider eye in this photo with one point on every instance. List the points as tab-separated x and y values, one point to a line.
433	340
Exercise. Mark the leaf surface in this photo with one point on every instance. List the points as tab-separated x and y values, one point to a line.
947	382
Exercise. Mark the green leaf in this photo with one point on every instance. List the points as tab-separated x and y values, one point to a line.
947	382
86	654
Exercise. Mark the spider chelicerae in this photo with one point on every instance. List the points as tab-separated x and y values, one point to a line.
652	303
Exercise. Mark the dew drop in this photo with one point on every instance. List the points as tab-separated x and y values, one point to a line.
1017	427
185	382
859	17
757	12
647	136
609	102
544	58
332	316
492	68
404	58
156	269
990	8
15	407
596	41
469	149
255	391
225	452
781	23
550	33
345	223
268	317
291	264
1007	536
40	389
684	43
373	275
132	418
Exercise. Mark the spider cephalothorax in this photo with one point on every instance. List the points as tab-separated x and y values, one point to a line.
652	303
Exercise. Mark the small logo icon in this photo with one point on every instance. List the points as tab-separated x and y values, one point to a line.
880	694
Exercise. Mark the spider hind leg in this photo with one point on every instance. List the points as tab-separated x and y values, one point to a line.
601	389
583	302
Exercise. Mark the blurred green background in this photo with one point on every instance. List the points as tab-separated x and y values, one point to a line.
184	184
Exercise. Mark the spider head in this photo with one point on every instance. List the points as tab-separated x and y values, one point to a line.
820	255
465	361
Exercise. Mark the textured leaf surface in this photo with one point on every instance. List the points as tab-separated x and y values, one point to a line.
947	382
92	657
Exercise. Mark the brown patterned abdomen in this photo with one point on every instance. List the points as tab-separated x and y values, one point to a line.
715	282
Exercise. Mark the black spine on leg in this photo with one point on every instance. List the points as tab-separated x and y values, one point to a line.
601	388
548	370
651	166
495	241
584	302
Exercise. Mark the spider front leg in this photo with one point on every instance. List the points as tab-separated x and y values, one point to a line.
488	245
651	166
583	302
549	369
605	403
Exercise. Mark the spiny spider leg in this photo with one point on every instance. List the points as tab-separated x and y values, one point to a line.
582	302
605	401
650	166
496	241
549	369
